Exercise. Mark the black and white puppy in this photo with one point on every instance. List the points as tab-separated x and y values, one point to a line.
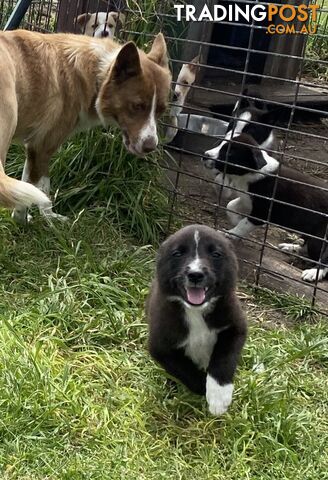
245	112
196	325
298	205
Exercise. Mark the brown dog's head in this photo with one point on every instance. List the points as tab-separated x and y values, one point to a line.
134	93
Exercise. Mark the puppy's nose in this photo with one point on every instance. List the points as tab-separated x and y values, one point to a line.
104	33
195	277
175	97
149	145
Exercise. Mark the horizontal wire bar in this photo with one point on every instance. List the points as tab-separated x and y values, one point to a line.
243	49
242	72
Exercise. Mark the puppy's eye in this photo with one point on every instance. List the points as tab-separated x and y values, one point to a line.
216	254
177	253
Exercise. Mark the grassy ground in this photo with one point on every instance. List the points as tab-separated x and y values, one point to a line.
81	399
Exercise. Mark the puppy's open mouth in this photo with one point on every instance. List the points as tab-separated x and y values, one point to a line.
196	295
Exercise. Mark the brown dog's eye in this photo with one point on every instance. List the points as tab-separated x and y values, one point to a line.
216	254
138	107
177	253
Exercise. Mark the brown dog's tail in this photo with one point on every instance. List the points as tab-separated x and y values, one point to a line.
16	193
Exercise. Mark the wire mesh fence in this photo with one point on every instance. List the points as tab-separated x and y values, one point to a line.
247	94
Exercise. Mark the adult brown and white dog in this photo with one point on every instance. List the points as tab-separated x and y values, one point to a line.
100	24
54	85
196	325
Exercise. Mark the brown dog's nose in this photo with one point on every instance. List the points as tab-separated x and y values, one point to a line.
149	145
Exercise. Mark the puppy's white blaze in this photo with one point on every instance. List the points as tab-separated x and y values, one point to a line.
196	237
310	274
196	264
271	163
218	397
241	123
214	152
243	120
268	142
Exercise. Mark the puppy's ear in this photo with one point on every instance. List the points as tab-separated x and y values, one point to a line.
119	17
127	63
83	19
158	52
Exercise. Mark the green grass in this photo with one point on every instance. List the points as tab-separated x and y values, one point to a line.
94	169
317	46
81	399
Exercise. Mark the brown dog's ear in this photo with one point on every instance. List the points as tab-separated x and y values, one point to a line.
82	19
158	52
127	63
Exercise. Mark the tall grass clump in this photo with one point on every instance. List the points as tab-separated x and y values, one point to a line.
95	170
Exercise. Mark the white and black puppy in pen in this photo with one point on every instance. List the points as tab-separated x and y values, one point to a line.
197	328
253	118
300	202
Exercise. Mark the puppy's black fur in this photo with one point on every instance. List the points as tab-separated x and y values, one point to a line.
260	114
168	307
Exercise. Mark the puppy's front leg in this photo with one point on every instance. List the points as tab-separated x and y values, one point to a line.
221	369
182	368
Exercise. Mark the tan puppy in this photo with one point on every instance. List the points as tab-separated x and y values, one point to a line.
53	85
185	80
101	24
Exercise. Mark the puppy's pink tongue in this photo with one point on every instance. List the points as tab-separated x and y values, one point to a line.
196	296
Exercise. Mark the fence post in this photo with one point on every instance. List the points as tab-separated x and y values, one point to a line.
17	14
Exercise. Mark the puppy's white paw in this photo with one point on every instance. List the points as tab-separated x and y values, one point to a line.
289	247
218	397
310	274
